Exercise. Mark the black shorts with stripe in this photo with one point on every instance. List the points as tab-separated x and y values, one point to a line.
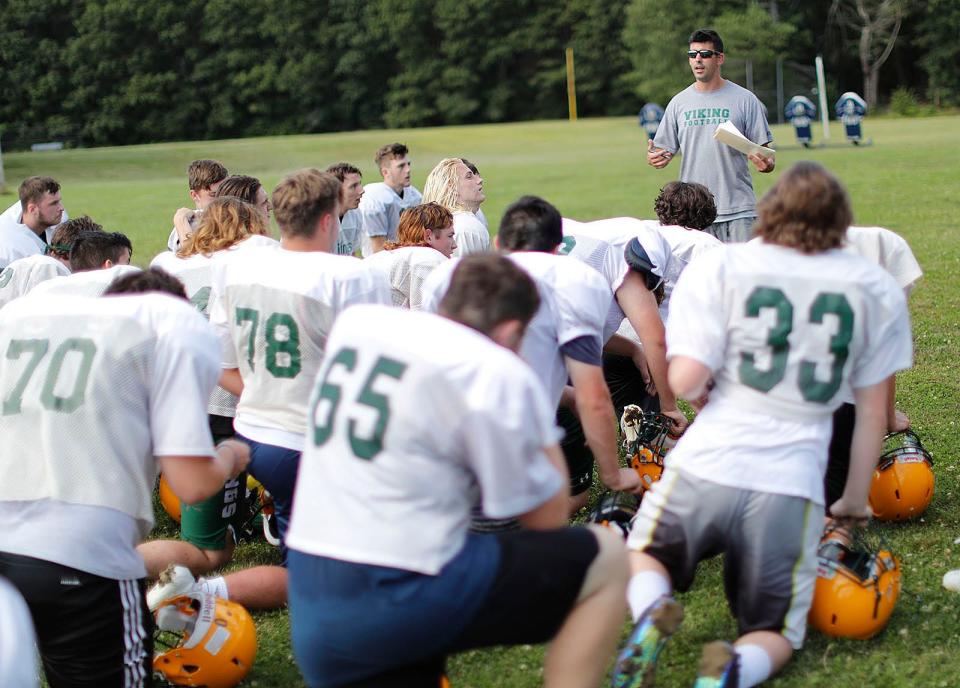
91	631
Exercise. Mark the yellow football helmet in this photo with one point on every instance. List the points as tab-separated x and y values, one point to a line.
169	501
647	440
215	641
903	480
856	589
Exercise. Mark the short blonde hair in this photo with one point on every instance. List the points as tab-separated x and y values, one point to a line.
429	216
807	210
443	185
225	222
302	198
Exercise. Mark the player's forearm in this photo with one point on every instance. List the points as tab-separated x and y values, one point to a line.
599	426
195	478
231	381
656	352
868	432
688	378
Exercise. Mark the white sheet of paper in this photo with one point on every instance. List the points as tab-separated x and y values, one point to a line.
729	134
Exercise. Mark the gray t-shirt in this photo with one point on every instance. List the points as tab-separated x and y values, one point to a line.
688	124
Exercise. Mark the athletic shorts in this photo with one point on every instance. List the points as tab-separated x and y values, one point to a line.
733	231
205	525
626	387
769	542
276	469
91	631
838	456
362	625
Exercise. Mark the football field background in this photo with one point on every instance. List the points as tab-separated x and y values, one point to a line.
908	181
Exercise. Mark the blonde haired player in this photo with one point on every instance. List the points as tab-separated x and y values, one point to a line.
458	187
785	327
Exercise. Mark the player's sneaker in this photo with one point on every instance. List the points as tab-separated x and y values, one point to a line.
638	659
718	666
175	580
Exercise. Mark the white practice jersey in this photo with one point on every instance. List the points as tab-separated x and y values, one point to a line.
411	197
19	241
348	240
273	310
685	245
601	245
93	389
86	283
787	337
196	273
887	249
470	234
379	210
407	268
574	301
412	423
22	275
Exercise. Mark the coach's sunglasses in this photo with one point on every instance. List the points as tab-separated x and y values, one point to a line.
705	54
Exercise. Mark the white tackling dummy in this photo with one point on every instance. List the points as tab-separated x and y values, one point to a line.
273	310
456	423
407	268
24	274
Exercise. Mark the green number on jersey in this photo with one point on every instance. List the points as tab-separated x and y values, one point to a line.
287	347
566	246
48	397
201	299
283	341
765	380
5	277
813	389
778	340
330	391
362	447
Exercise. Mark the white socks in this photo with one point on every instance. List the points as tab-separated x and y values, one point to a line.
644	589
755	665
217	586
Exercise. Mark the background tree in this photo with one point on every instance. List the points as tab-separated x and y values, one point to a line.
878	24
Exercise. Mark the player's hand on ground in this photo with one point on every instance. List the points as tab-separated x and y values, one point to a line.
762	162
657	157
848	514
899	422
680	421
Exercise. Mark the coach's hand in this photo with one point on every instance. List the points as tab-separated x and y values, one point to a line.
762	162
680	421
657	157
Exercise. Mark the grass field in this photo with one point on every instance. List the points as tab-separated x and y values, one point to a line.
907	181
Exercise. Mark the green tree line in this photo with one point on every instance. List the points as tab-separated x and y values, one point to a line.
96	72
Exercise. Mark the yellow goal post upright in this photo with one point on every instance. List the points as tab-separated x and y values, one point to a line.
571	87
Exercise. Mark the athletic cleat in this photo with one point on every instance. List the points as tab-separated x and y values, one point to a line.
174	581
718	666
638	659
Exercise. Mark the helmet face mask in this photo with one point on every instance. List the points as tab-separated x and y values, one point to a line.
214	642
615	510
646	443
858	583
903	481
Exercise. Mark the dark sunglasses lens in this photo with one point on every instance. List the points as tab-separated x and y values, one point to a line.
705	54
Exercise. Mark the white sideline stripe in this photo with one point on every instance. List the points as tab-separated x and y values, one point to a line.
133	634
